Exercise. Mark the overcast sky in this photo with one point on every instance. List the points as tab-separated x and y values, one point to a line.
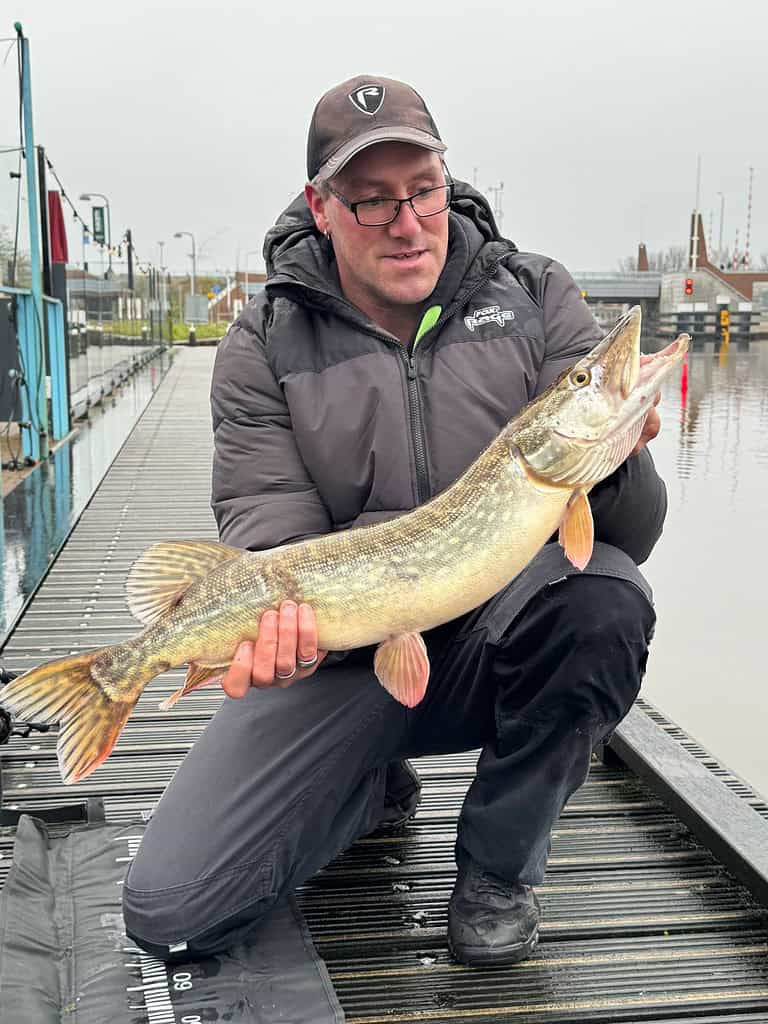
194	116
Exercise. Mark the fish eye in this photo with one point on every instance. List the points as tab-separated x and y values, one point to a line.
580	378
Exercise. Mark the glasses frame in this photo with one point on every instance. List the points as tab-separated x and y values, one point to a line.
352	207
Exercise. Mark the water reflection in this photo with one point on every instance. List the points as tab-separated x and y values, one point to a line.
39	512
707	668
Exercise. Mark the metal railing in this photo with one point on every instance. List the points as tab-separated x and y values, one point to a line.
741	323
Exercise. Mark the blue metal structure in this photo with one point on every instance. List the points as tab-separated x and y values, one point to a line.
41	343
57	355
34	411
34	356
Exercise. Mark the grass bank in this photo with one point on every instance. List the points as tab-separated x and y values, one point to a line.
133	329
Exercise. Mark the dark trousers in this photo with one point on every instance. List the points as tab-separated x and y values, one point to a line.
281	781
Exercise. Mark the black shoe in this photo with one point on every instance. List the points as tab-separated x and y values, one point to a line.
491	921
402	796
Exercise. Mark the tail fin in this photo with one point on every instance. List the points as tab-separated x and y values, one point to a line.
64	691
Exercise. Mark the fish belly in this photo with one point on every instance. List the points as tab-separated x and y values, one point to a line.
437	574
412	574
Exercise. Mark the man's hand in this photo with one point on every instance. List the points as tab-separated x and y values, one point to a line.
651	427
286	650
652	424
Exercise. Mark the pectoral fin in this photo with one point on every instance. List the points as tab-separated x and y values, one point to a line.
577	530
401	665
197	676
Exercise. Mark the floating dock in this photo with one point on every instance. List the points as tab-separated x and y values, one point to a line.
654	903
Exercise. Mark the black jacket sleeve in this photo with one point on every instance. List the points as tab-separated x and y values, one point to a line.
630	505
262	494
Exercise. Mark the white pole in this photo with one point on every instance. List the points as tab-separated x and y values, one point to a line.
695	237
722	217
748	238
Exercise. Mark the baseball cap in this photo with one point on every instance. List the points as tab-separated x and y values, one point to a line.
360	112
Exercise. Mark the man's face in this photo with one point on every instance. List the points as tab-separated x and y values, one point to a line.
395	264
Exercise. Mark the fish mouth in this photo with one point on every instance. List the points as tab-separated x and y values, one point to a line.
627	372
654	367
631	378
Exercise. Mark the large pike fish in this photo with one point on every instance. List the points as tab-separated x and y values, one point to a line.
381	584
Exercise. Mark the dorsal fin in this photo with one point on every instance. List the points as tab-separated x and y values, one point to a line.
159	577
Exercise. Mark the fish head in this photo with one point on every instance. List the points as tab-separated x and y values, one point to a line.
588	421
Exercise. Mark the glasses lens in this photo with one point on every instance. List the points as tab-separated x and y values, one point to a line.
376	211
435	200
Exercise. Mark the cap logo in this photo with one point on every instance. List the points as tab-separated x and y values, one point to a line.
368	99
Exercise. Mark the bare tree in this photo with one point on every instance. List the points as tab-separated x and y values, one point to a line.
19	268
675	257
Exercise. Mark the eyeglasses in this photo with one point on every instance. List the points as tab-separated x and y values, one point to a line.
371	213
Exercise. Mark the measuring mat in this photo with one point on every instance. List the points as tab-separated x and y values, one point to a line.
64	954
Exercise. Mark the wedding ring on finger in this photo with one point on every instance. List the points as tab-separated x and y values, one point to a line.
290	675
306	664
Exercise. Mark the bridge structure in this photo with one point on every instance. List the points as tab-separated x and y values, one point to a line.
631	287
668	306
610	294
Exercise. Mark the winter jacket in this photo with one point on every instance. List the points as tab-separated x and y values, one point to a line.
323	421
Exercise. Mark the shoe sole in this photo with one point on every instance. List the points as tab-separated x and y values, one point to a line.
394	826
482	956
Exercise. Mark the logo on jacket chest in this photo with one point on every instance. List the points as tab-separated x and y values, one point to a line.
488	315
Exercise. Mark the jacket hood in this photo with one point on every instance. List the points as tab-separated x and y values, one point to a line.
296	252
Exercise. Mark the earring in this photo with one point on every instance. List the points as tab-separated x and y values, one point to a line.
327	234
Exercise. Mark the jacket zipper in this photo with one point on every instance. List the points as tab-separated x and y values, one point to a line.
450	310
417	428
414	400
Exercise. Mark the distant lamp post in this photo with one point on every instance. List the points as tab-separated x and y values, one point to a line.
179	234
164	306
251	252
87	197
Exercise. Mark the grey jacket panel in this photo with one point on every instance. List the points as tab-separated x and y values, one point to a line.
310	398
262	493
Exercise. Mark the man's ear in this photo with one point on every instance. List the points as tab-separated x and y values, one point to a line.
316	205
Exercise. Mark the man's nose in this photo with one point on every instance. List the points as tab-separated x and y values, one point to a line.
406	222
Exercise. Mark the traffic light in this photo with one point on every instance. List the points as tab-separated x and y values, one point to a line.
689	286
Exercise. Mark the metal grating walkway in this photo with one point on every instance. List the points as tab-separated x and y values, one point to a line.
641	922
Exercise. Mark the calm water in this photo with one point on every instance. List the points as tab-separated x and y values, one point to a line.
708	663
37	515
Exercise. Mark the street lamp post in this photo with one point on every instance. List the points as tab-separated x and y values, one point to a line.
163	298
86	198
178	234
